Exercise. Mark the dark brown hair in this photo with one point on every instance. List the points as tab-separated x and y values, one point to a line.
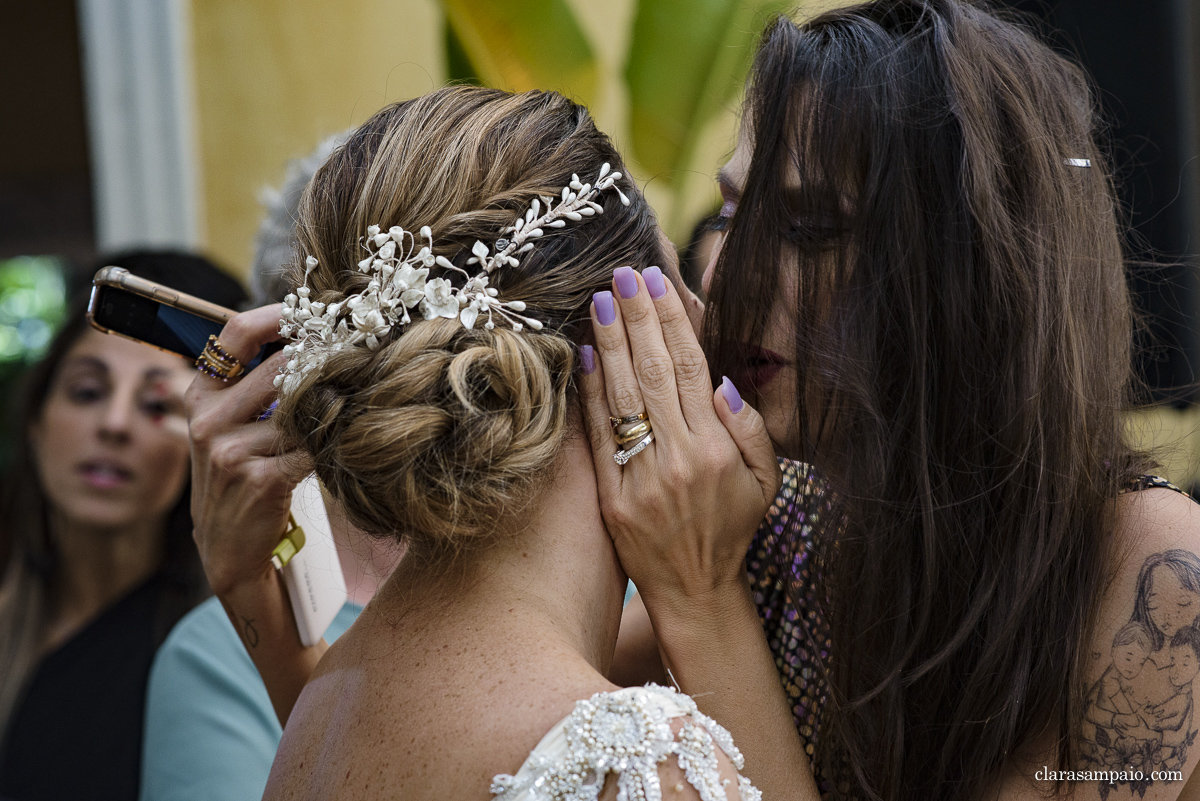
444	434
962	341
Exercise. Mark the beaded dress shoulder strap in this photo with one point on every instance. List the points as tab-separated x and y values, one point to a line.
626	733
1145	482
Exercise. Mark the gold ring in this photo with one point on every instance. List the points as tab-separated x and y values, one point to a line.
624	456
633	418
632	435
216	362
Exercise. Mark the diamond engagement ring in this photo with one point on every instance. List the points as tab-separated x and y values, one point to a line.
624	456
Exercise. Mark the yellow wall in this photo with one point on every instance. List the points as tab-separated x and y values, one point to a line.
1173	437
275	77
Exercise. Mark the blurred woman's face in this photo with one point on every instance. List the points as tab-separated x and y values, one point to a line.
111	444
770	365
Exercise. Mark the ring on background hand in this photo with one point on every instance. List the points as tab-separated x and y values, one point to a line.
640	417
216	362
633	433
624	456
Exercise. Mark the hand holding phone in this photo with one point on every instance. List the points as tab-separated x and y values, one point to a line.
135	308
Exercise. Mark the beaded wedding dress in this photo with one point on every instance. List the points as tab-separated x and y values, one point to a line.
626	733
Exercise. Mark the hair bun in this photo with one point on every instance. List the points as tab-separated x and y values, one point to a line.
431	431
439	436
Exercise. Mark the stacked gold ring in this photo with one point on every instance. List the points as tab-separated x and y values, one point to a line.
216	362
633	433
640	417
630	435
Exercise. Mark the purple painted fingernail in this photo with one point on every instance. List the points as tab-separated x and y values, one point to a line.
270	410
587	358
731	395
606	312
626	281
655	284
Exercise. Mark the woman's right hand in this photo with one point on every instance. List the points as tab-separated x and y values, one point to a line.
240	492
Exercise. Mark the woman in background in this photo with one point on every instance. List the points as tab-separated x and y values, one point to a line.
100	561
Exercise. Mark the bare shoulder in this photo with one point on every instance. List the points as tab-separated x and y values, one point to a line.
423	718
1150	526
1139	725
1159	518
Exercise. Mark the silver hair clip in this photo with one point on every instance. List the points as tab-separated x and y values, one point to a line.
1078	162
398	265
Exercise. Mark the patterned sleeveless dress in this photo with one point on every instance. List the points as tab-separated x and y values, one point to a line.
780	566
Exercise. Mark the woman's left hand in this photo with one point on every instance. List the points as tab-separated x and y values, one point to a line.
683	512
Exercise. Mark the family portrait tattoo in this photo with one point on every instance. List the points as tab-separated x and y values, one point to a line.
1139	719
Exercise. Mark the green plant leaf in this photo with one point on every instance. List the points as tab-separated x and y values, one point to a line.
525	44
687	59
458	64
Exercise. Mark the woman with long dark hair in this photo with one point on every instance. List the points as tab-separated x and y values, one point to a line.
922	289
97	537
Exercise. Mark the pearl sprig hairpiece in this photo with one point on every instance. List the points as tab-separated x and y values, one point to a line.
400	281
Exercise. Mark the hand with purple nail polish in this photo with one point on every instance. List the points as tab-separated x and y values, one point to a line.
683	511
626	281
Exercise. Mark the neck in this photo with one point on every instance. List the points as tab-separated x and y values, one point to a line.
366	561
557	579
96	567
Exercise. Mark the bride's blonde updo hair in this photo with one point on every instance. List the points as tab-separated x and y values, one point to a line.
443	435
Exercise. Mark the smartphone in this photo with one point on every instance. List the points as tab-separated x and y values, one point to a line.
156	315
316	585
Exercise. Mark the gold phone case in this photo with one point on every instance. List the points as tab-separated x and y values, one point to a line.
123	279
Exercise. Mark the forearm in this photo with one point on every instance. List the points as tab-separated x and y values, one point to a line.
637	659
261	613
715	649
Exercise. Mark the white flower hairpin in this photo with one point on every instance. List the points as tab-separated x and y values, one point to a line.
400	281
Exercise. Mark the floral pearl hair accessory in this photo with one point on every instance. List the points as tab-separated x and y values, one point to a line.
400	281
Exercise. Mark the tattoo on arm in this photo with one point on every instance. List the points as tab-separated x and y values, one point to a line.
249	633
1139	722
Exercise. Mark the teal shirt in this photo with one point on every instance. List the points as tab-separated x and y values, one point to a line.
211	732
